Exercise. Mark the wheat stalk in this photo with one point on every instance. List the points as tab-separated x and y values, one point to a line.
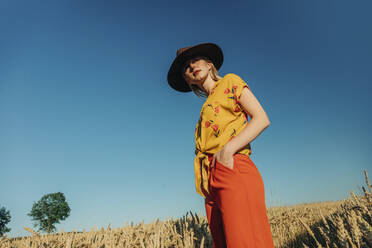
33	232
311	233
367	181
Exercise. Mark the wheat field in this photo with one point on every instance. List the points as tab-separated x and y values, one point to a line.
339	224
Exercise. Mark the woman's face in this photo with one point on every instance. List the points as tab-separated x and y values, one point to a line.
196	70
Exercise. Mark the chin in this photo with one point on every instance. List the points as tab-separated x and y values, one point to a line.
201	77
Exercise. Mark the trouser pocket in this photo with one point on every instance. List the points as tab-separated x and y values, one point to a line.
221	166
244	164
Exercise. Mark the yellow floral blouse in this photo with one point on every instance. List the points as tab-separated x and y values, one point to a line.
221	119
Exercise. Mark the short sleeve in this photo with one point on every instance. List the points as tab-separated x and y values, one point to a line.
237	84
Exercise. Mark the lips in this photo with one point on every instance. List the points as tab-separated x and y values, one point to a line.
196	72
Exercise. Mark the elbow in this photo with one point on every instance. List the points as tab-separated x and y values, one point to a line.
267	123
264	121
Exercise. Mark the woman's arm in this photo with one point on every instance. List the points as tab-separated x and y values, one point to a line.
259	121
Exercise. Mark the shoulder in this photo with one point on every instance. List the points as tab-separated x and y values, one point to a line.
232	77
235	80
236	83
231	82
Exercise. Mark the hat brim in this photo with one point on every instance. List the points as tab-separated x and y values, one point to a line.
209	50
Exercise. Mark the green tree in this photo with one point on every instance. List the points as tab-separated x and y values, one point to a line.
49	210
4	220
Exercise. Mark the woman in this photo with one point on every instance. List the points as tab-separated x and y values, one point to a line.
225	175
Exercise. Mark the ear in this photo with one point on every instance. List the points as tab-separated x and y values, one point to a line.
210	66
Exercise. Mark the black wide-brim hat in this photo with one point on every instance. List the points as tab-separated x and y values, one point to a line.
209	50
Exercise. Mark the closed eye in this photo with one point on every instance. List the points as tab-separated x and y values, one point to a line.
193	60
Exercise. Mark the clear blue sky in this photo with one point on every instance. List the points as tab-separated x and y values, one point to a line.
85	108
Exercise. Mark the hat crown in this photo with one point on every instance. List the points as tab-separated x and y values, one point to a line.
181	50
209	50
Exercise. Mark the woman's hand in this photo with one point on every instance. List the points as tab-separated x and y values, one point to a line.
224	157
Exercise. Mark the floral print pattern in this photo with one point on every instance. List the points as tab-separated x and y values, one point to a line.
231	93
221	119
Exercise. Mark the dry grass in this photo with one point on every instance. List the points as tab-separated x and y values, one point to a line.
344	223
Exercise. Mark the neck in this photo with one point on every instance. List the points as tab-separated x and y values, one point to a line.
208	84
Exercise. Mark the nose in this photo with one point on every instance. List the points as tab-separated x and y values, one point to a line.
192	66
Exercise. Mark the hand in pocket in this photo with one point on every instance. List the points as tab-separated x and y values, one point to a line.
225	158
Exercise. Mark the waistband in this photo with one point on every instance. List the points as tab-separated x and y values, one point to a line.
241	151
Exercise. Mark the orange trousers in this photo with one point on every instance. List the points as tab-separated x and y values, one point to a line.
235	207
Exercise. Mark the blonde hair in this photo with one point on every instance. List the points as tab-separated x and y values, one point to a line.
214	75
